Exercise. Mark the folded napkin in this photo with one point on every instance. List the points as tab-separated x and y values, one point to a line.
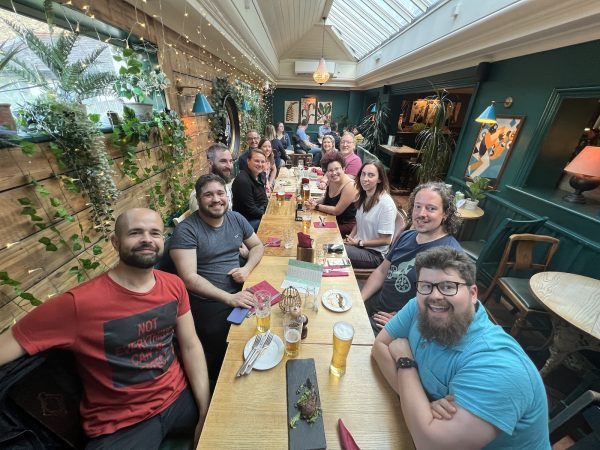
273	242
289	195
266	286
335	273
318	171
304	240
325	225
346	439
305	180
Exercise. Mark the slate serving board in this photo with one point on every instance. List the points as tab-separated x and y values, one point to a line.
305	436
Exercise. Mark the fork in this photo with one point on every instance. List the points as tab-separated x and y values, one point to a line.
258	354
255	346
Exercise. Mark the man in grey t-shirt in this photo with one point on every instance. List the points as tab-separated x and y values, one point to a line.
205	250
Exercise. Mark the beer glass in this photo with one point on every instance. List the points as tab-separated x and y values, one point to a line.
292	332
300	164
306	218
262	301
280	195
343	333
288	238
305	192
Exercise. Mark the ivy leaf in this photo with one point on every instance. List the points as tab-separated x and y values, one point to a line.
32	299
27	148
96	249
87	240
24	201
41	189
94	118
50	247
55	202
76	247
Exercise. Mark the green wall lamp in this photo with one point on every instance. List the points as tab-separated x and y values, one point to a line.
489	114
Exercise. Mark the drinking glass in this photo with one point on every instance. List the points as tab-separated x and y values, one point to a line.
262	302
300	164
305	192
343	333
280	195
310	299
292	332
306	219
288	238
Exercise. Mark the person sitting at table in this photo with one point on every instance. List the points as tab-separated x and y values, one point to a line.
353	162
220	163
249	189
121	327
358	138
340	193
283	136
462	381
270	167
206	251
252	140
370	239
328	145
276	144
336	135
433	222
308	146
324	129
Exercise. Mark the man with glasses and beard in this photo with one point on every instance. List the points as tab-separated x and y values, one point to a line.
121	327
442	346
205	249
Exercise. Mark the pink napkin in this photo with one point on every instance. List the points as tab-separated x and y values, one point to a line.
304	240
318	171
346	439
266	286
327	225
335	273
273	242
289	195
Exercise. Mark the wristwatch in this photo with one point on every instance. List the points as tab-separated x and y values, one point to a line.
405	363
360	243
317	207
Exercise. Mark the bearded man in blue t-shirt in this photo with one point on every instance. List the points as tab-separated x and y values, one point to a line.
485	392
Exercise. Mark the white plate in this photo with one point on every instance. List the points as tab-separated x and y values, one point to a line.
270	357
330	300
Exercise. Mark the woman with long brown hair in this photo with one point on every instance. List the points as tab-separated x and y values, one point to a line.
370	239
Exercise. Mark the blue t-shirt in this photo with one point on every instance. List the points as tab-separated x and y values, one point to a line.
489	375
301	133
399	285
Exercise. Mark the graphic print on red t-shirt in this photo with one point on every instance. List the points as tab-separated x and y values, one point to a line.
140	347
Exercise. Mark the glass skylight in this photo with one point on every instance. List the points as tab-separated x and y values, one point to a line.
363	25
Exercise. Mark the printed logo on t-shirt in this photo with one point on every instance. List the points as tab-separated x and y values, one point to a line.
140	347
399	272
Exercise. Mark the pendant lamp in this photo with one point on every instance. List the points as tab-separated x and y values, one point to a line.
321	75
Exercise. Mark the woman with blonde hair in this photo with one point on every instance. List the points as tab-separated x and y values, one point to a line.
270	166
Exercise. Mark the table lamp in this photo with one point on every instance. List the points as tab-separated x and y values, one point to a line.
585	168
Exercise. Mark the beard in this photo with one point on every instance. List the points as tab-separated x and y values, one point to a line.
219	172
447	332
134	259
210	213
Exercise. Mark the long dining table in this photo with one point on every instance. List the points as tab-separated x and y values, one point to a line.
250	412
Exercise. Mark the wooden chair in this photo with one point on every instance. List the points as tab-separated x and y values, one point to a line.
579	421
307	157
522	256
400	226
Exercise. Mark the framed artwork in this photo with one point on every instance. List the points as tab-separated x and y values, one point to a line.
308	109
492	148
417	112
324	110
292	111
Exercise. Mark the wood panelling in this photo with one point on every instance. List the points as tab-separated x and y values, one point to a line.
43	273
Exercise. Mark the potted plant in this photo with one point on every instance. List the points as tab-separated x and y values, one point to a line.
138	81
435	141
374	127
476	191
7	121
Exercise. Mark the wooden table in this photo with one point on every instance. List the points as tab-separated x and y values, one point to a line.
574	301
320	325
470	214
399	170
251	412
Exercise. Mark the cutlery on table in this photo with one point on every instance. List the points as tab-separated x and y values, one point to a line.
258	354
258	340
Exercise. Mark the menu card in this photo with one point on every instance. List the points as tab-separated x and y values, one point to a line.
303	275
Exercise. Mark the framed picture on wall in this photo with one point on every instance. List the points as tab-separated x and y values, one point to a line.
324	110
292	111
492	148
308	109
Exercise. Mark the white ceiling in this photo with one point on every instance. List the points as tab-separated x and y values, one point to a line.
265	37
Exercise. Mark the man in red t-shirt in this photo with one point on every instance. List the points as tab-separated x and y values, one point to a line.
121	328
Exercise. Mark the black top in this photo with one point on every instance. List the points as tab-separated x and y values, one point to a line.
249	195
346	215
278	151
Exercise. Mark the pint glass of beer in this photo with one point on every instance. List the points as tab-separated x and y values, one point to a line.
305	192
292	332
262	301
343	333
306	218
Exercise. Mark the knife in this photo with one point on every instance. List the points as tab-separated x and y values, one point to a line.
258	341
258	354
322	221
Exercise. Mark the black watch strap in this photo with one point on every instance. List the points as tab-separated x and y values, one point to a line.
405	363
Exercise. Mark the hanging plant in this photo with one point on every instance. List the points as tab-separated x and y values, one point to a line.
79	147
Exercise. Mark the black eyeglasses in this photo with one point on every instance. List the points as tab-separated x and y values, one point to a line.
448	288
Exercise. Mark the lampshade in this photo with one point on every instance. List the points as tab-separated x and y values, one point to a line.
245	106
586	163
201	105
488	115
321	75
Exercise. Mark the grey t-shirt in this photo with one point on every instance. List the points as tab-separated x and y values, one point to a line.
217	249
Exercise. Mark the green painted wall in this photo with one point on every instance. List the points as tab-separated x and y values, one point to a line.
345	103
